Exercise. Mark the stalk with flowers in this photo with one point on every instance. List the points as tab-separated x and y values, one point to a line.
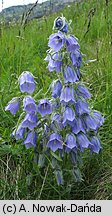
62	127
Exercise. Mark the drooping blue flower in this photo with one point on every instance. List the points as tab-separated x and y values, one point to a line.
56	122
56	88
18	133
55	103
44	107
55	142
56	41
54	62
30	121
29	104
90	122
68	117
65	28
82	107
70	75
76	58
13	106
30	140
99	118
95	145
27	83
82	141
83	91
70	143
71	44
78	126
67	95
60	24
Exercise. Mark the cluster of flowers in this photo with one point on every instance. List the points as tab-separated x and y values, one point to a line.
27	129
80	123
67	124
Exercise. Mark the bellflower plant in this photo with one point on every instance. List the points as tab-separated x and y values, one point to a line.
80	123
32	117
64	125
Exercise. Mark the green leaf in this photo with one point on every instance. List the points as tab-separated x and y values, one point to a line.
56	156
59	176
77	174
41	160
5	149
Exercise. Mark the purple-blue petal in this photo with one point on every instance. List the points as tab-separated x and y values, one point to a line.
13	106
71	44
99	118
18	133
70	75
68	117
83	141
30	140
61	24
70	142
29	104
30	121
76	58
82	107
90	122
56	88
27	83
56	41
95	145
54	142
54	62
78	126
44	107
56	122
67	95
83	91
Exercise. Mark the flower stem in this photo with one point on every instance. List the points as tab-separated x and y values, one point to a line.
43	182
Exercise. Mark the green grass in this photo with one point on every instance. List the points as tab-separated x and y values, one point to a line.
20	176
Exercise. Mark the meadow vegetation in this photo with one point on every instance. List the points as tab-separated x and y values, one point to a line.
25	49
